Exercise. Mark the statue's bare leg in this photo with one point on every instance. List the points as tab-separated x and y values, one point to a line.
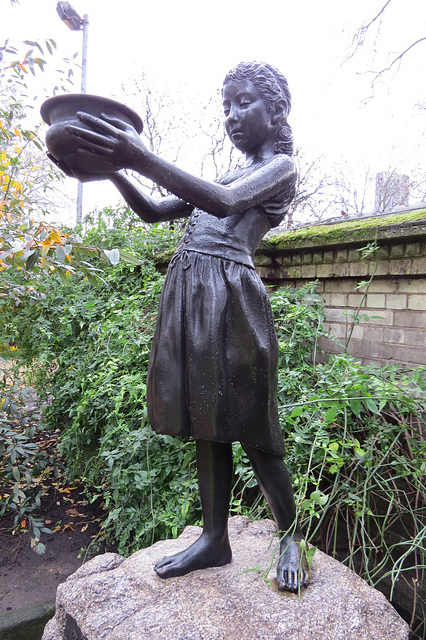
274	480
212	549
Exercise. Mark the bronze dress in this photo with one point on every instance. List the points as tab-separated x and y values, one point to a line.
213	366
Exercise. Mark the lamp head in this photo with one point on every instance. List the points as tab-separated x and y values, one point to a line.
69	15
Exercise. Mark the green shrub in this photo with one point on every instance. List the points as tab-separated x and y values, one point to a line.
23	462
86	349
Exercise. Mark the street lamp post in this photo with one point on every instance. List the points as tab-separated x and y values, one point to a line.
73	21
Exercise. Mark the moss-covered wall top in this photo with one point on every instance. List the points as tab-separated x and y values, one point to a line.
385	229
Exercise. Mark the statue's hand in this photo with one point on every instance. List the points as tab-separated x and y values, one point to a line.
110	139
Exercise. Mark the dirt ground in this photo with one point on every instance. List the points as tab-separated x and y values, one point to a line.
27	578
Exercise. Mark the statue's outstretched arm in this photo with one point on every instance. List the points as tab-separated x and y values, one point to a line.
147	208
114	139
267	179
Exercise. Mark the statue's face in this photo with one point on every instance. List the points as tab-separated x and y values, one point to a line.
247	117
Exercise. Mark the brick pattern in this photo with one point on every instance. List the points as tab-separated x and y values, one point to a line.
392	324
402	259
392	315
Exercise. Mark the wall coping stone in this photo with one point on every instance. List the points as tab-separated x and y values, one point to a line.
354	232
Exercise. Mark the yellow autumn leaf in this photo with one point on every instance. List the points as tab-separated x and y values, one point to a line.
54	236
17	132
3	155
18	150
45	246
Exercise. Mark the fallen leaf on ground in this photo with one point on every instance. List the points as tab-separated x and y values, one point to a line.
74	513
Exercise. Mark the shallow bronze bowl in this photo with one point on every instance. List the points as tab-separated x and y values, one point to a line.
60	111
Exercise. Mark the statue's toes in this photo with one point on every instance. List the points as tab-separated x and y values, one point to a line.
162	565
289	579
293	580
286	580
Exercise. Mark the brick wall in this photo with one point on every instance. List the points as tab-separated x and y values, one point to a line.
392	323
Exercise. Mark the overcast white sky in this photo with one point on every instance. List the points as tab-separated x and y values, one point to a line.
197	43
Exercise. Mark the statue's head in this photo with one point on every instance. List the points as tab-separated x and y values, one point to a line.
273	88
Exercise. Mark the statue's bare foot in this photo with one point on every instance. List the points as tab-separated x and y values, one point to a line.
203	553
291	571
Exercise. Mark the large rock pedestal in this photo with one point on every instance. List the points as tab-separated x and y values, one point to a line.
112	598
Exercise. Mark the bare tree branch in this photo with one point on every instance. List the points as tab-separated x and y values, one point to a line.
397	59
361	33
359	38
313	196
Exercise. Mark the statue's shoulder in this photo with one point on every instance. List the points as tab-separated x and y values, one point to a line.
232	175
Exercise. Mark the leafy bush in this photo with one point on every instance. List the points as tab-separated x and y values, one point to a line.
29	251
86	349
22	461
119	227
356	447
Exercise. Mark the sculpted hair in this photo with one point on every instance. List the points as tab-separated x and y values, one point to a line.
272	86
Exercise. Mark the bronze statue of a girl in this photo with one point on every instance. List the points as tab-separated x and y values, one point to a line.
212	372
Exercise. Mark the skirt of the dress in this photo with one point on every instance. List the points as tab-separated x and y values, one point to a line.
213	364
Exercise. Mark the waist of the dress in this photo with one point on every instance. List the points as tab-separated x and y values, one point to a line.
184	255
